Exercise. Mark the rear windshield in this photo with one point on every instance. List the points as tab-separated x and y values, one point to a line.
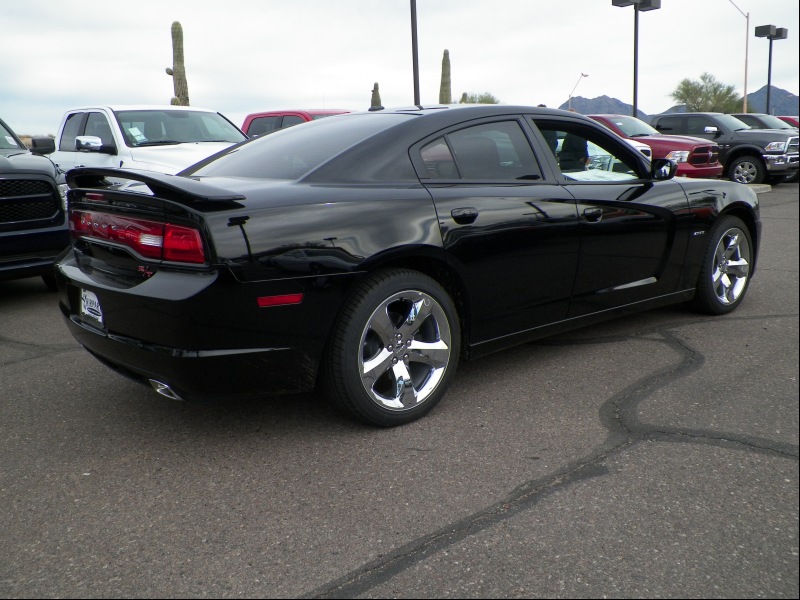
293	152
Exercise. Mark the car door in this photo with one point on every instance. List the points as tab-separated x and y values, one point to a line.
509	231
91	123
632	240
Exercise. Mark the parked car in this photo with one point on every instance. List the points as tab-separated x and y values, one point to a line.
33	224
165	139
763	121
794	121
262	123
747	155
371	252
695	157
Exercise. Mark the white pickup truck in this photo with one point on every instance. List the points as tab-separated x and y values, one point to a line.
166	139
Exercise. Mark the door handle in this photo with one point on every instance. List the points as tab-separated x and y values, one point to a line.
464	216
593	214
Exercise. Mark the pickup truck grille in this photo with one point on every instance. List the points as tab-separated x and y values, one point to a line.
793	146
704	155
27	201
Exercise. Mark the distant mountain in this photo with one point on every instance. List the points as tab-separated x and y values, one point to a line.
781	103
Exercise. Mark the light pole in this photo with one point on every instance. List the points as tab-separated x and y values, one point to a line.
746	51
414	52
569	102
772	33
638	5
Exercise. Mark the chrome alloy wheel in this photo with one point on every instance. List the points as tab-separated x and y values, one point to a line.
732	259
406	347
745	172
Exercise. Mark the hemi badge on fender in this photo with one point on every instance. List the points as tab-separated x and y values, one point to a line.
696	233
267	301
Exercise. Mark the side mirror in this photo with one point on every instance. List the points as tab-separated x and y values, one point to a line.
43	145
710	129
662	169
92	143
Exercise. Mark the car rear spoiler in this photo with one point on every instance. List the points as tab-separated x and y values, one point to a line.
170	187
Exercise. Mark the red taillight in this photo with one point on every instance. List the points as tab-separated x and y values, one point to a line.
151	239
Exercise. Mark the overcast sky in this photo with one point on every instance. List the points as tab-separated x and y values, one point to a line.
245	56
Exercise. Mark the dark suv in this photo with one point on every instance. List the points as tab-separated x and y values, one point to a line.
33	226
747	155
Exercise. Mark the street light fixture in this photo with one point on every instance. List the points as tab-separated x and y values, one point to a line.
638	5
569	103
772	33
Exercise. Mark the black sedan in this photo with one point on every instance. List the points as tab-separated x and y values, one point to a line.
369	253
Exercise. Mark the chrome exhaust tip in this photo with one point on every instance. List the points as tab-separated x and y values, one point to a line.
164	390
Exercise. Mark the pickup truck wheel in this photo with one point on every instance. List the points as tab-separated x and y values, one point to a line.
747	169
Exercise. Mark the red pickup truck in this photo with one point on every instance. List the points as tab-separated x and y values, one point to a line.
695	157
262	123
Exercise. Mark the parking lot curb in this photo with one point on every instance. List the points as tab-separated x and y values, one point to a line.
760	188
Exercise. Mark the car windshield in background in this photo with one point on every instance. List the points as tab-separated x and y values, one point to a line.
7	140
293	152
771	122
732	122
633	127
165	127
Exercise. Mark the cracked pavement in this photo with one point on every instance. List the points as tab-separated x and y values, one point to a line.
652	456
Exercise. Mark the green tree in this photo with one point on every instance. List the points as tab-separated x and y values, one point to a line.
445	94
484	98
707	95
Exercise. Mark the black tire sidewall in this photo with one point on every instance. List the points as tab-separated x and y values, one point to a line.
341	378
760	169
705	299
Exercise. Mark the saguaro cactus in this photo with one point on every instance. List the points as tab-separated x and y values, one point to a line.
375	103
178	72
445	94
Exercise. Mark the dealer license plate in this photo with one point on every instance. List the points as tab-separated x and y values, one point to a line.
90	307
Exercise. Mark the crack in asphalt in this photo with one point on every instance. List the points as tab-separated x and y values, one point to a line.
619	414
32	350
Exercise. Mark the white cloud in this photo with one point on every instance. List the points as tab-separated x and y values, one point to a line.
250	55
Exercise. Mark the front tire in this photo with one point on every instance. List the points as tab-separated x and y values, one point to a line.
725	272
747	169
394	349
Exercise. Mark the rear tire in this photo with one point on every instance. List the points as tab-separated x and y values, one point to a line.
725	271
394	349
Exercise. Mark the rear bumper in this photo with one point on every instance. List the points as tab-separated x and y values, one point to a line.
218	374
203	334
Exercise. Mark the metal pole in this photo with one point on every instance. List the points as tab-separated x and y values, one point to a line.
414	50
769	73
635	60
746	50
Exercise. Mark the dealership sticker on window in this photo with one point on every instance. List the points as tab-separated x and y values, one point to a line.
90	306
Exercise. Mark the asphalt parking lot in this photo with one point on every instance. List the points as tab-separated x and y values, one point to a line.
654	456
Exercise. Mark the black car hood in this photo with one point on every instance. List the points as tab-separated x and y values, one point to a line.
20	162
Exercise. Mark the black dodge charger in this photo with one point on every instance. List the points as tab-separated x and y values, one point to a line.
369	253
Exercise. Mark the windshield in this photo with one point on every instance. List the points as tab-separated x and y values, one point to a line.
771	122
732	122
165	127
632	126
7	139
293	152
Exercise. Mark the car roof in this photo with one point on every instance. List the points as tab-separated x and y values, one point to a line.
124	107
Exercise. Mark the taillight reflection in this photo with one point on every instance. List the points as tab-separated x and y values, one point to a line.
151	239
